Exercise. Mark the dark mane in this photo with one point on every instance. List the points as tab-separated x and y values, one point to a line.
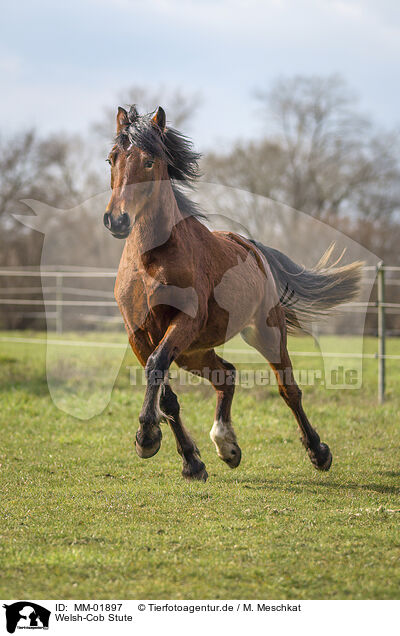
171	146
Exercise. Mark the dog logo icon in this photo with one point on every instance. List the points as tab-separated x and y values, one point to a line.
26	615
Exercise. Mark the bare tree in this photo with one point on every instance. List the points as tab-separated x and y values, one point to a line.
319	155
336	160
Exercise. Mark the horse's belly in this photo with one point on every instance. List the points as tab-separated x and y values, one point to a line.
226	322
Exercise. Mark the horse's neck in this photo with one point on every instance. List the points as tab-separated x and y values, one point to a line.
155	225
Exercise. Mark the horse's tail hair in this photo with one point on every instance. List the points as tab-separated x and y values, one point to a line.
308	295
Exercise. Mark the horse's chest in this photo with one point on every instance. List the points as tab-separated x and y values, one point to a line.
132	299
140	299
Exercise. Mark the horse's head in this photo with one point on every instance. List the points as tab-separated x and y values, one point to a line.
139	164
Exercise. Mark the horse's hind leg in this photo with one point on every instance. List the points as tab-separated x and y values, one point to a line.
221	374
222	433
318	452
193	467
270	341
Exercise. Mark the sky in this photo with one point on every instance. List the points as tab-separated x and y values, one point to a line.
61	63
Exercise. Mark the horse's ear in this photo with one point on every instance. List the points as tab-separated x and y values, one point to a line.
160	118
122	119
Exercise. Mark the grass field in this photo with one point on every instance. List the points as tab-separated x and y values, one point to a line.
83	517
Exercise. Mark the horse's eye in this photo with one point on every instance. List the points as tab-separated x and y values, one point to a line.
108	161
149	164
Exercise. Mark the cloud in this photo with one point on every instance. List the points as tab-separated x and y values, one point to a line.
223	49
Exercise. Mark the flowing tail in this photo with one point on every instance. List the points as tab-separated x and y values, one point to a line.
307	295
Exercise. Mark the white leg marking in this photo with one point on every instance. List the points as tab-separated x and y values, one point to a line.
224	438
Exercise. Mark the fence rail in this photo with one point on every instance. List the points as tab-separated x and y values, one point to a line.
60	290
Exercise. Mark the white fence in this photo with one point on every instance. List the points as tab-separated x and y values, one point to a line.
102	298
60	290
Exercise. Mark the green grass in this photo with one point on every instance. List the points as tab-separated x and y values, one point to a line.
83	517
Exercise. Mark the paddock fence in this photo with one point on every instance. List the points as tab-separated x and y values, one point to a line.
54	287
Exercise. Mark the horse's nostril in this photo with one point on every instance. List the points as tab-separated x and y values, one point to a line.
117	224
107	221
124	219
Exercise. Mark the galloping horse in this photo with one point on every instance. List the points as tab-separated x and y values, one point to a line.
183	290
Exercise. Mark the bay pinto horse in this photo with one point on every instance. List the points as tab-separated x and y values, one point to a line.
183	290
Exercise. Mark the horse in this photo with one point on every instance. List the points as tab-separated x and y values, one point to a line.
184	290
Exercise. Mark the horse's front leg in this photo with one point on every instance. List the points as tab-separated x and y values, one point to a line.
179	335
193	467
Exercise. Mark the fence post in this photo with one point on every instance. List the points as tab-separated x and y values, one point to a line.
381	332
59	298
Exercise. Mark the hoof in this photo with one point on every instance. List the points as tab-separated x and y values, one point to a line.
200	475
235	457
321	459
147	447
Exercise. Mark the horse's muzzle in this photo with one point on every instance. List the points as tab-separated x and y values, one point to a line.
120	226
